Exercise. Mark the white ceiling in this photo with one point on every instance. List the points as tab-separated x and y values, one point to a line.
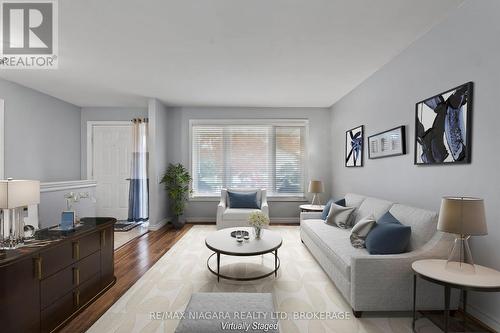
226	52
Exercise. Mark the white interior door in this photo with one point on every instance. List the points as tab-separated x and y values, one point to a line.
112	153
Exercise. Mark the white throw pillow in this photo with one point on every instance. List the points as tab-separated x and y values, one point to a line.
339	216
361	230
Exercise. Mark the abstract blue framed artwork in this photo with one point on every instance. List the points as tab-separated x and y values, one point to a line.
443	127
354	147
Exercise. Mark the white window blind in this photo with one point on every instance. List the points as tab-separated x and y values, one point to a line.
248	156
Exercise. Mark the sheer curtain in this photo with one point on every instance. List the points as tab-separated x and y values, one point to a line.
138	209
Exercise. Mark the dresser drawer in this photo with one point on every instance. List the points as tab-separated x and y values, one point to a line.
62	282
55	259
89	289
86	245
57	312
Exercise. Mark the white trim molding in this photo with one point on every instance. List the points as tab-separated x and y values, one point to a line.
157	226
67	185
483	317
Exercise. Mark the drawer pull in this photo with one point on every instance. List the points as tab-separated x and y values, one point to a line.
38	263
77	298
103	238
76	276
76	250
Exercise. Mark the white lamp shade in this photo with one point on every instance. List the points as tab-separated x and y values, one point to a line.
316	186
19	193
462	216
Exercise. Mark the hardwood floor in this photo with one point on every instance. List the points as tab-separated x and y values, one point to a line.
132	260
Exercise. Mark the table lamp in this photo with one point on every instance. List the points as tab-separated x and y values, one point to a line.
15	195
465	217
316	187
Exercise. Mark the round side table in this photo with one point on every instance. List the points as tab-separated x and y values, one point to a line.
311	208
437	271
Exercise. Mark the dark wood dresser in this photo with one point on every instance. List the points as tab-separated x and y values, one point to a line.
46	283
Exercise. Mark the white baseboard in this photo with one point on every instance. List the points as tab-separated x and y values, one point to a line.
158	225
483	317
287	220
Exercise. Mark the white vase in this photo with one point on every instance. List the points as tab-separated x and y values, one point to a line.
258	232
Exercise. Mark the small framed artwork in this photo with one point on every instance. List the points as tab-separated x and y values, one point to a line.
443	127
354	147
388	143
68	219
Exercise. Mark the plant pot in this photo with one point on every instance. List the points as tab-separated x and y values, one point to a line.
178	221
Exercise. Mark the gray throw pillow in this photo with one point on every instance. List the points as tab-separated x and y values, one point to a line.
339	216
361	230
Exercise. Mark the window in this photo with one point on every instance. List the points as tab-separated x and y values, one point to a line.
243	155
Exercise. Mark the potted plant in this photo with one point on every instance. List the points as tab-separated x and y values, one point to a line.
176	180
258	220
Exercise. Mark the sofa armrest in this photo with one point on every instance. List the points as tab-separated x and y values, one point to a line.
264	207
221	207
377	277
310	216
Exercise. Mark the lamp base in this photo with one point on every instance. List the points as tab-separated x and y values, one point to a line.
316	200
460	257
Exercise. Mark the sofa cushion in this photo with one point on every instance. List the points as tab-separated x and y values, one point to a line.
354	200
423	223
243	200
335	244
361	230
377	207
339	216
328	205
326	210
388	237
238	213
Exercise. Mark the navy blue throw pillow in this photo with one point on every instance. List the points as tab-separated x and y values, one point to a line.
388	218
388	236
328	205
340	202
243	200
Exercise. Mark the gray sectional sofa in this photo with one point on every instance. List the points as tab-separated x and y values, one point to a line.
378	282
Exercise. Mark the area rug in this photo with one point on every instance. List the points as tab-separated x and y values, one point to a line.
301	287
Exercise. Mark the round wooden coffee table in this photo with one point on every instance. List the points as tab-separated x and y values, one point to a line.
221	242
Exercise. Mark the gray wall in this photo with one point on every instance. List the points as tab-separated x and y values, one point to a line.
103	114
158	141
42	135
53	203
463	48
318	148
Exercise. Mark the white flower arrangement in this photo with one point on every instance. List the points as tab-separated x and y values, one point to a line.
258	220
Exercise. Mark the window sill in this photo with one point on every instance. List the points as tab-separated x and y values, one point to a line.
269	199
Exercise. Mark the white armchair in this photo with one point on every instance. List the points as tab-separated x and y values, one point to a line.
238	217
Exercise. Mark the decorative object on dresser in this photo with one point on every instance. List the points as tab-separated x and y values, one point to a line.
55	276
437	271
15	195
354	147
443	127
464	217
316	187
311	208
388	143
